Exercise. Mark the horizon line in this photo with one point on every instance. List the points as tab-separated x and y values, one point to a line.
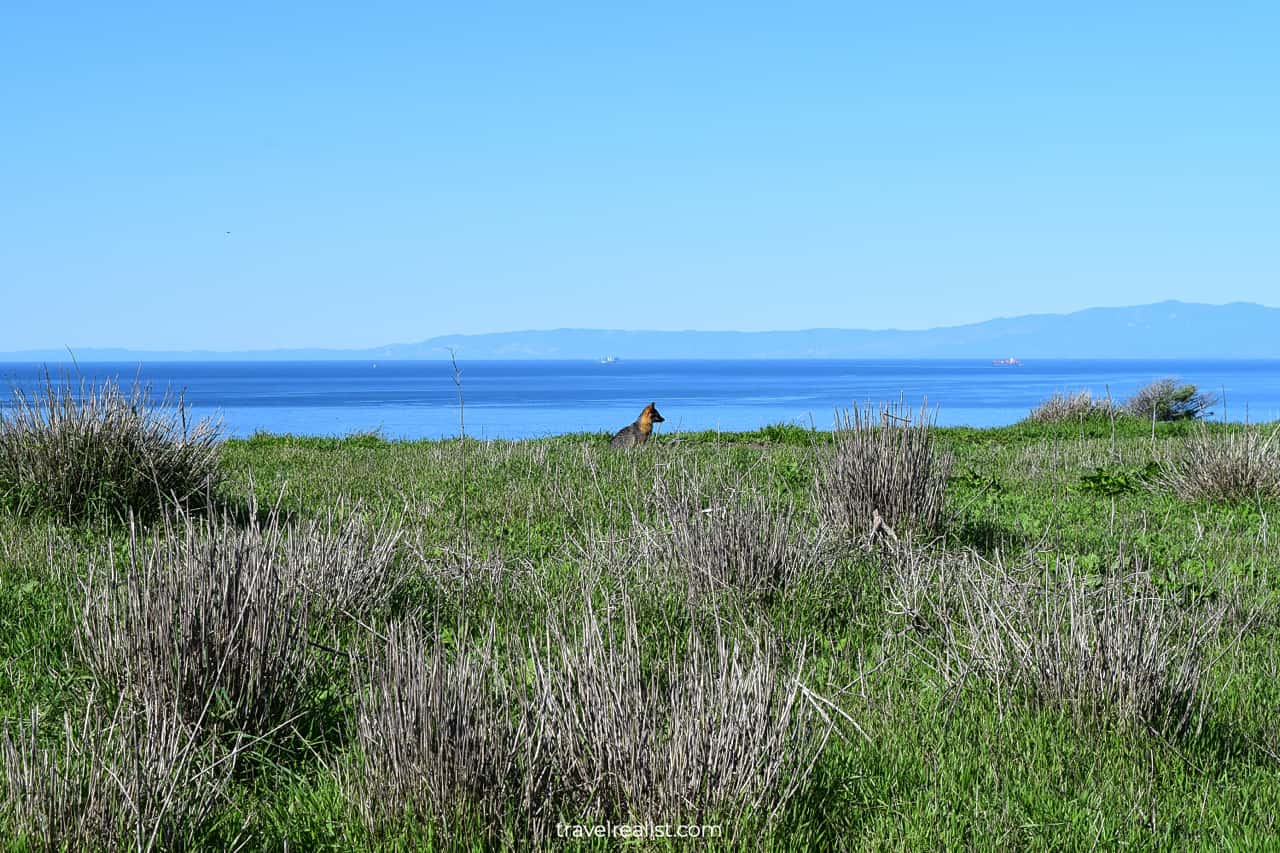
33	351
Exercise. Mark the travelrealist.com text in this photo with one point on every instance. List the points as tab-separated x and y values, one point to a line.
637	830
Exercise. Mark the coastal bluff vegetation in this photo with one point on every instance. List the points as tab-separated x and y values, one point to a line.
1062	633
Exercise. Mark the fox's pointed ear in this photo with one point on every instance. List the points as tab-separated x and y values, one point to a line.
653	405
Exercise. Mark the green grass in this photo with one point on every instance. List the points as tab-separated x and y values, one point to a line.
501	534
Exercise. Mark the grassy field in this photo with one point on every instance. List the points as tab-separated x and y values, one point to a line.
417	645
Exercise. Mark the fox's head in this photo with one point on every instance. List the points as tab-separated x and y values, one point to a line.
650	413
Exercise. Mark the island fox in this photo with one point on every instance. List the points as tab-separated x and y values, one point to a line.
637	433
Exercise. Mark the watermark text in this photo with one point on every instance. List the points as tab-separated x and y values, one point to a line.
637	830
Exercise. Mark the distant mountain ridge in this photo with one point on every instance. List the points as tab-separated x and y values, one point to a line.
1168	329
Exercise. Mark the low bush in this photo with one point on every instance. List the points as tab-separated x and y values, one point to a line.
1225	466
1075	406
718	732
1166	400
724	538
445	736
82	451
207	616
500	740
137	778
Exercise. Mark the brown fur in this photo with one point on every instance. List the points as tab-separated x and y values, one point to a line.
638	433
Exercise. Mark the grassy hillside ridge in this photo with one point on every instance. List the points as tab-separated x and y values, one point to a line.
553	631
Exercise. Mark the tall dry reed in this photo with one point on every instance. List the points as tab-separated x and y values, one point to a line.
885	470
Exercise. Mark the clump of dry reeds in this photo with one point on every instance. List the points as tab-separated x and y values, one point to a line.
1111	648
96	449
1072	406
885	471
348	564
216	613
205	615
445	734
728	538
1235	465
720	730
136	778
506	738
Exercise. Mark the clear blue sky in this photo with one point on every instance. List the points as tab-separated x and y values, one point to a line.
394	171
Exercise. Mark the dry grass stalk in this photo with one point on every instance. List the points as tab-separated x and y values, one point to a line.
1236	465
506	740
884	462
1113	648
94	449
347	564
138	778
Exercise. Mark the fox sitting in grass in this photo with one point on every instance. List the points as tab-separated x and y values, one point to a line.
637	433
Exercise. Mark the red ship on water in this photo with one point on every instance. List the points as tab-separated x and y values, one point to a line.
1007	362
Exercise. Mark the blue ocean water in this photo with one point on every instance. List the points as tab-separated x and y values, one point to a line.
520	399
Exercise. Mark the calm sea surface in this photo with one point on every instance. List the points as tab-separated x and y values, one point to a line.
518	399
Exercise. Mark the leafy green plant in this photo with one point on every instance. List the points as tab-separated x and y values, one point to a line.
980	481
1116	480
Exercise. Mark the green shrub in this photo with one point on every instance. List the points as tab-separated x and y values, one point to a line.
1118	480
1166	400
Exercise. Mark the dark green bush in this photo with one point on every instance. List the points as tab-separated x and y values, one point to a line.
1166	400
